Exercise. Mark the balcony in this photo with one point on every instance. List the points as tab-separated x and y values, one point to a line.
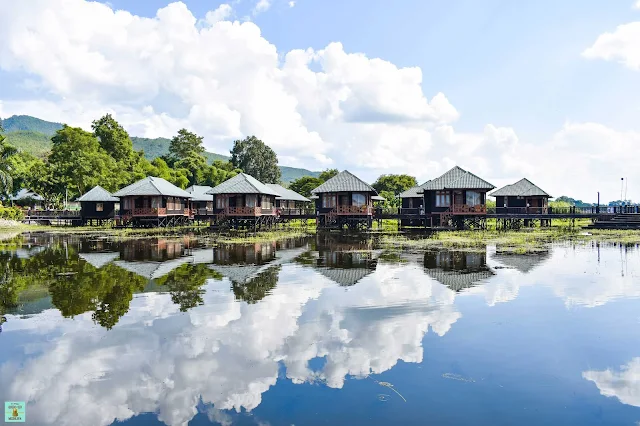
249	211
354	210
466	209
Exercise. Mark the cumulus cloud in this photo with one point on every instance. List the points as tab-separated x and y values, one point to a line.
261	6
621	45
623	384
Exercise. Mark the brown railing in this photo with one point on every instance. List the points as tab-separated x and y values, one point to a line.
296	212
203	212
346	210
243	211
149	211
465	209
52	213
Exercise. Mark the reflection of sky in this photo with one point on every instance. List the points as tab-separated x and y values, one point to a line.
520	362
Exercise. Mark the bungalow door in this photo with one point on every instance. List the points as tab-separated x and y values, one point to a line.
458	199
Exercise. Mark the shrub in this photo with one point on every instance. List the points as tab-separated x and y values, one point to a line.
11	213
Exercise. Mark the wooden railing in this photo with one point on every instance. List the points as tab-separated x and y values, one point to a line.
296	212
52	213
349	210
149	211
243	211
466	209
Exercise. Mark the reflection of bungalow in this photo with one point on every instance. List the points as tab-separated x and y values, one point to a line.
344	200
345	268
99	259
201	202
153	201
27	198
152	270
160	250
521	197
244	201
455	193
97	205
288	199
457	270
522	262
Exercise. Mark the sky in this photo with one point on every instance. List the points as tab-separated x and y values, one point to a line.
545	90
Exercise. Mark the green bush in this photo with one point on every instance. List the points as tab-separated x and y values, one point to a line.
11	213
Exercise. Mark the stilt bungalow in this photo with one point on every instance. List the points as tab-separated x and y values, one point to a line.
153	201
28	199
412	204
457	199
244	202
201	202
289	202
522	197
344	200
97	206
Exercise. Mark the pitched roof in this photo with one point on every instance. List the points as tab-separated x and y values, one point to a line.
522	262
99	259
287	194
25	193
457	178
152	186
522	188
413	192
199	193
152	270
459	280
98	194
344	182
345	277
242	183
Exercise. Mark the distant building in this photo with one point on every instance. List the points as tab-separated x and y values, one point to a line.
27	198
522	197
288	199
201	202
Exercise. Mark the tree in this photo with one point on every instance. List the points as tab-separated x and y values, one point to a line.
255	158
394	183
304	185
218	172
184	144
78	162
328	174
6	173
114	139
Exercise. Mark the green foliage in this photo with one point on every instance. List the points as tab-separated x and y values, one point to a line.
25	122
259	287
185	284
327	174
11	213
390	186
185	144
289	174
113	138
305	184
6	173
34	143
78	163
159	147
257	159
560	204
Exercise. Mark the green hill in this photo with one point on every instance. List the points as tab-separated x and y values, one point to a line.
33	135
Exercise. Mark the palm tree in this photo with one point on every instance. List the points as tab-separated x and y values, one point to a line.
6	151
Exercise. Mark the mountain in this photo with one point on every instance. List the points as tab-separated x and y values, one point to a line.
33	135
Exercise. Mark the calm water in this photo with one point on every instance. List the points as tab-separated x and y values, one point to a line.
322	331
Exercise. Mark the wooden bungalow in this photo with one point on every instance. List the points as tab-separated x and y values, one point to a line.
522	197
412	203
458	199
201	202
153	201
289	201
97	206
28	199
344	200
244	202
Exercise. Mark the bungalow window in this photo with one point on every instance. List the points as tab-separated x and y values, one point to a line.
251	200
474	198
443	199
328	201
358	200
266	203
221	202
99	207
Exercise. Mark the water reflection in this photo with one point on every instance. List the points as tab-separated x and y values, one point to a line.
185	330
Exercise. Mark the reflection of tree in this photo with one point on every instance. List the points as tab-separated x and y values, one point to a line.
107	291
185	284
257	288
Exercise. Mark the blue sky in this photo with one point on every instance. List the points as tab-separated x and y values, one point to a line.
515	73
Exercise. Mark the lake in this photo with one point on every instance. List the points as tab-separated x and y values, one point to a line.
327	330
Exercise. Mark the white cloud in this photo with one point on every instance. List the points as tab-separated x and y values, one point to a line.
292	3
623	384
622	45
637	5
261	6
223	12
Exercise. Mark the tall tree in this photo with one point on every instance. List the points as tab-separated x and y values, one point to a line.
6	172
255	158
79	163
305	184
328	174
394	183
184	144
113	138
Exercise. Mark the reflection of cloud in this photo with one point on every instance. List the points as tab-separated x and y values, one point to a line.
623	384
225	352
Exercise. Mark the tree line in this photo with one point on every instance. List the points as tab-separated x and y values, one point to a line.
80	160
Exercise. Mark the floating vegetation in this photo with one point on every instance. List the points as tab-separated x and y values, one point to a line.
383	397
452	376
389	386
